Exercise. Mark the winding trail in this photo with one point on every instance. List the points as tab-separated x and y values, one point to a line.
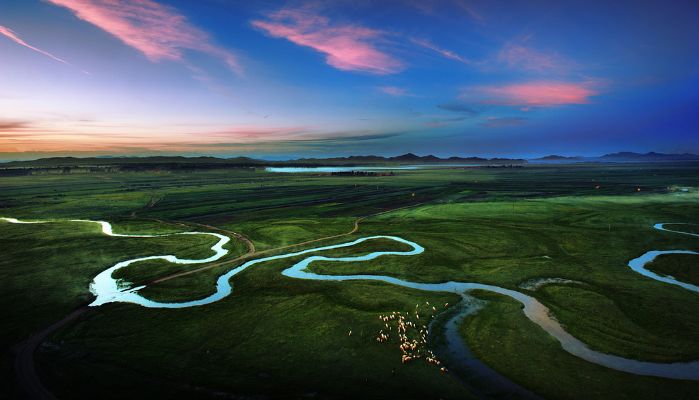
25	367
107	289
355	228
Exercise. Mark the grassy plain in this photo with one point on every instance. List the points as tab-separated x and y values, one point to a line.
281	337
684	267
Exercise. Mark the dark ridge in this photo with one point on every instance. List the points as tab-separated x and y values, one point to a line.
555	157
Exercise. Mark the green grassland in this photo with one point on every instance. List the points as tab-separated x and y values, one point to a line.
680	266
277	336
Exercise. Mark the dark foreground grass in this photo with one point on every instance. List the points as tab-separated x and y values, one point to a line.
683	267
272	336
503	337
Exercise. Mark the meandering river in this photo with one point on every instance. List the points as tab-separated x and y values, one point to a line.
107	289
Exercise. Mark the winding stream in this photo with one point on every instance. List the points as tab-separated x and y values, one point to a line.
107	290
638	264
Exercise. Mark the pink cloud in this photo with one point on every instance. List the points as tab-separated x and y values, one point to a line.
157	31
13	36
394	90
443	52
346	47
533	94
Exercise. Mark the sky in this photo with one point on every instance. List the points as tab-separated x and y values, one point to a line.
287	79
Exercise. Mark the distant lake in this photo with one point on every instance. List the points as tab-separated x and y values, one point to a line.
295	170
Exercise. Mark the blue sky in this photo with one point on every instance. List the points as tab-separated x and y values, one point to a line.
327	78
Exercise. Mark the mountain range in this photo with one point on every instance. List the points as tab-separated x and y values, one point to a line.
409	158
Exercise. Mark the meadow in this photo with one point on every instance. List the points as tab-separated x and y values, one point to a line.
276	336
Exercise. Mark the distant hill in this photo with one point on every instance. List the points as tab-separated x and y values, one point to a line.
408	158
623	156
105	161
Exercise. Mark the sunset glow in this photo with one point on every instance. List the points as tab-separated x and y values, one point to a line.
302	78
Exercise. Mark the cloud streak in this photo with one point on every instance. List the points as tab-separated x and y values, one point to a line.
441	51
445	7
475	15
157	31
440	122
13	126
347	47
460	108
500	122
393	90
14	37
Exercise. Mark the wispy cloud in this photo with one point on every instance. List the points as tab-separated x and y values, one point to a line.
317	139
460	108
445	7
499	122
445	121
13	126
347	47
394	90
441	51
464	112
470	10
533	94
14	37
249	133
157	31
521	56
